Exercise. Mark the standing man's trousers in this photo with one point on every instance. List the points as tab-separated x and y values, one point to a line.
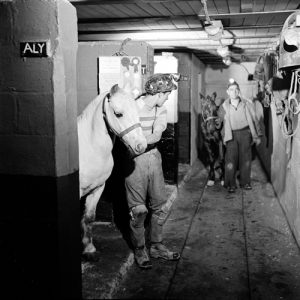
146	180
238	155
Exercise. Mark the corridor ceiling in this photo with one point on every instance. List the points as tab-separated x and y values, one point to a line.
250	27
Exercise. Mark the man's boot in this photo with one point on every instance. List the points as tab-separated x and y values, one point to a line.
138	215
159	250
141	258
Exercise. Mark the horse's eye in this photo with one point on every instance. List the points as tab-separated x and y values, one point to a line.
118	115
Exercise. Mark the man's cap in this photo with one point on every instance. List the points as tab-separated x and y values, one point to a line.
232	82
160	83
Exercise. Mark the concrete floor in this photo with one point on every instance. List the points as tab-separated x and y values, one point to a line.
233	247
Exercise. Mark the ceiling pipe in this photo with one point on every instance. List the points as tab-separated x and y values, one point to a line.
143	37
182	17
89	30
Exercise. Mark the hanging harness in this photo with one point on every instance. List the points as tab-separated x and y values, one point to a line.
292	107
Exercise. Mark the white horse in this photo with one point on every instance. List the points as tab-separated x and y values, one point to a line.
109	114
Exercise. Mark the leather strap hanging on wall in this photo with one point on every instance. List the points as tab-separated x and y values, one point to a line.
270	65
292	108
259	72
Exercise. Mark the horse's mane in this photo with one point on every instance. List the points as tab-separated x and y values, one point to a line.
91	107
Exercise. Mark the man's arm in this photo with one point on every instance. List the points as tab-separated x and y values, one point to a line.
159	126
219	121
255	119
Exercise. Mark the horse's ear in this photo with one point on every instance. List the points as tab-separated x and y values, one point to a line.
201	96
214	95
114	89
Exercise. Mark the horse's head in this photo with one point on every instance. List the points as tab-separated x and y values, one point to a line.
122	118
210	113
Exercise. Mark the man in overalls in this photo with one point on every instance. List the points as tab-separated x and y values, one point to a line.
147	178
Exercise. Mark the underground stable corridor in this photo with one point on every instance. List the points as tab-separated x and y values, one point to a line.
233	246
62	60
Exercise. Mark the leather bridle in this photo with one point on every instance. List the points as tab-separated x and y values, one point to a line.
109	128
209	118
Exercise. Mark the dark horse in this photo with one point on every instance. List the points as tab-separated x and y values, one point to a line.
212	139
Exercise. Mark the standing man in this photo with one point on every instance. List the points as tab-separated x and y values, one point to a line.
240	130
147	177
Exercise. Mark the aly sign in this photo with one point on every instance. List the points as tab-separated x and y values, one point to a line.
33	49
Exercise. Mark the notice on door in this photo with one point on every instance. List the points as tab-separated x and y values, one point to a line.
33	49
121	70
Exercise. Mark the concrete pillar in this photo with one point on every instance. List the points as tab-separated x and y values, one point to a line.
39	182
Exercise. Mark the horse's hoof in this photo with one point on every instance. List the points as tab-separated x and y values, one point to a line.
91	256
210	183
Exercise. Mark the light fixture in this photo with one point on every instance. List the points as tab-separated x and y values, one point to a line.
214	29
177	76
227	60
223	51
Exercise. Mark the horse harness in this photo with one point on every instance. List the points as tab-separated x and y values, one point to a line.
208	118
110	130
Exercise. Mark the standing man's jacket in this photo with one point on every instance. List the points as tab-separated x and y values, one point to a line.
252	120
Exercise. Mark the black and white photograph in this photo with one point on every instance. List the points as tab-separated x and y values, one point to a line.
150	149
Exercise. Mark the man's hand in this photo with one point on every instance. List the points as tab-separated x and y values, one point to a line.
257	141
154	137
